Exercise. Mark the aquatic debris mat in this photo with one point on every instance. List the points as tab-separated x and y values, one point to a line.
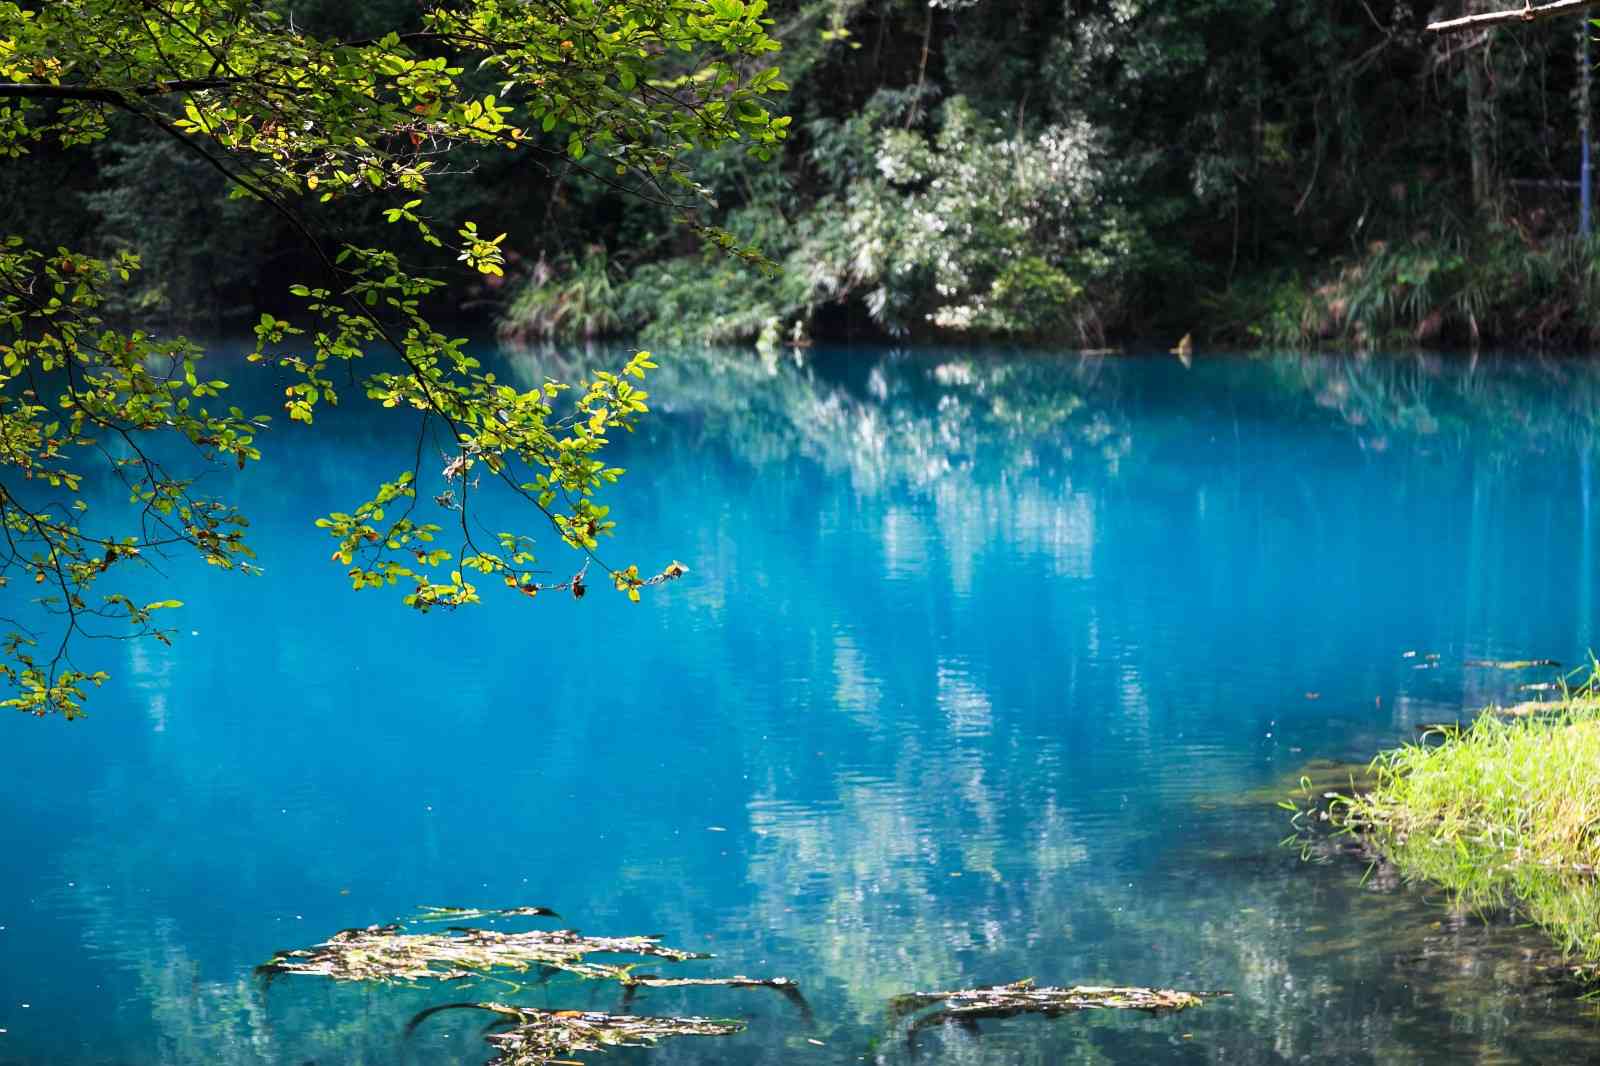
969	1005
388	954
532	1036
538	1037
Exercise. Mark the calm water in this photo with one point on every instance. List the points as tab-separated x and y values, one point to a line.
978	660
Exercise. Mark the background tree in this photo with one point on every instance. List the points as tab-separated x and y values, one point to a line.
1249	172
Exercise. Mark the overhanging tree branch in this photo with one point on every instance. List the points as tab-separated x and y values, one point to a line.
46	91
1524	14
285	117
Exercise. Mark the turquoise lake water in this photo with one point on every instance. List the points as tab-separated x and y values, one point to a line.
987	666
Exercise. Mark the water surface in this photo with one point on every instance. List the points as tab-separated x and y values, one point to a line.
978	655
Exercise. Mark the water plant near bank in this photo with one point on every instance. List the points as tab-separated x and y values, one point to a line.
1504	813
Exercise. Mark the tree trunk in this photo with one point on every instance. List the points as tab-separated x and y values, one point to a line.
1478	122
1585	125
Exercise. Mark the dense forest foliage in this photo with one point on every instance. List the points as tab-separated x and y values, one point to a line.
1076	171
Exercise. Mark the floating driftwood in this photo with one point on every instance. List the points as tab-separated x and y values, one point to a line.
969	1005
1025	997
782	985
387	953
1509	664
535	1037
540	1037
472	914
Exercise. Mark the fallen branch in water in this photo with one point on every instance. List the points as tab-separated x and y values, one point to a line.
727	982
469	914
386	953
1511	664
540	1037
1024	995
967	1006
782	985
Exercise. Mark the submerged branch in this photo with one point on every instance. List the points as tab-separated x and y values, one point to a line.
968	1005
386	953
468	914
539	1037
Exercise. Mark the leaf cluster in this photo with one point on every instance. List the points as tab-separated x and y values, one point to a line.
290	121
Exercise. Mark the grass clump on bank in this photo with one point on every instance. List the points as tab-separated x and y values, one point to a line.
1497	284
1504	813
